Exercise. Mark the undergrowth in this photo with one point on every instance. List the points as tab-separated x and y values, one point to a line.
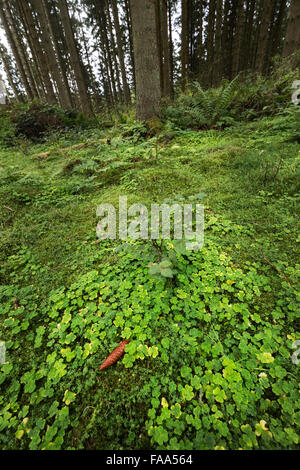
212	332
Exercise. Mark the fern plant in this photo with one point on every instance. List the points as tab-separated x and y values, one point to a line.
204	109
214	104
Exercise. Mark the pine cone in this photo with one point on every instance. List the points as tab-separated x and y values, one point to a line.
114	356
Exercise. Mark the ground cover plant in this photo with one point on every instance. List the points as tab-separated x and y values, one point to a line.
212	356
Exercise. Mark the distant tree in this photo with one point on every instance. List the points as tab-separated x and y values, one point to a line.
11	73
238	37
263	34
292	39
120	51
38	49
17	50
75	58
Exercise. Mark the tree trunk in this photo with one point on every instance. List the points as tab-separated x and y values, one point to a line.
218	44
57	34
200	42
148	93
263	35
105	46
171	47
210	40
18	53
75	58
184	43
48	46
120	51
237	38
129	25
292	39
113	50
37	50
277	34
165	49
159	43
4	58
36	72
247	43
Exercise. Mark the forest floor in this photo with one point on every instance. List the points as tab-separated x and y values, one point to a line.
53	395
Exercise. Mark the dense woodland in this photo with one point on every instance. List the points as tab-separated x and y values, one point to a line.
89	54
182	102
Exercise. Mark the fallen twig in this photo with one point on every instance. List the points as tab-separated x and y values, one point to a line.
8	208
67	149
278	270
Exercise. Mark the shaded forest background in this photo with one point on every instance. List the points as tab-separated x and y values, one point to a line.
91	55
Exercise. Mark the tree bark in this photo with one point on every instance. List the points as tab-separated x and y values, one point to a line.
148	92
263	35
171	49
210	40
21	62
277	34
218	44
37	50
75	58
7	68
237	38
48	45
292	39
200	42
184	43
159	43
113	50
57	35
165	49
129	25
120	51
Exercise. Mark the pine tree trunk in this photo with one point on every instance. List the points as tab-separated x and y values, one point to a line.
36	72
48	46
113	50
75	58
129	26
37	51
21	62
148	92
57	33
21	47
218	44
263	35
105	46
237	38
171	49
200	42
120	51
159	43
11	81
277	33
184	43
210	41
225	39
165	49
292	39
247	43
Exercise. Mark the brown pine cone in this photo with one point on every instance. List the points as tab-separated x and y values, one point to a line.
114	356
